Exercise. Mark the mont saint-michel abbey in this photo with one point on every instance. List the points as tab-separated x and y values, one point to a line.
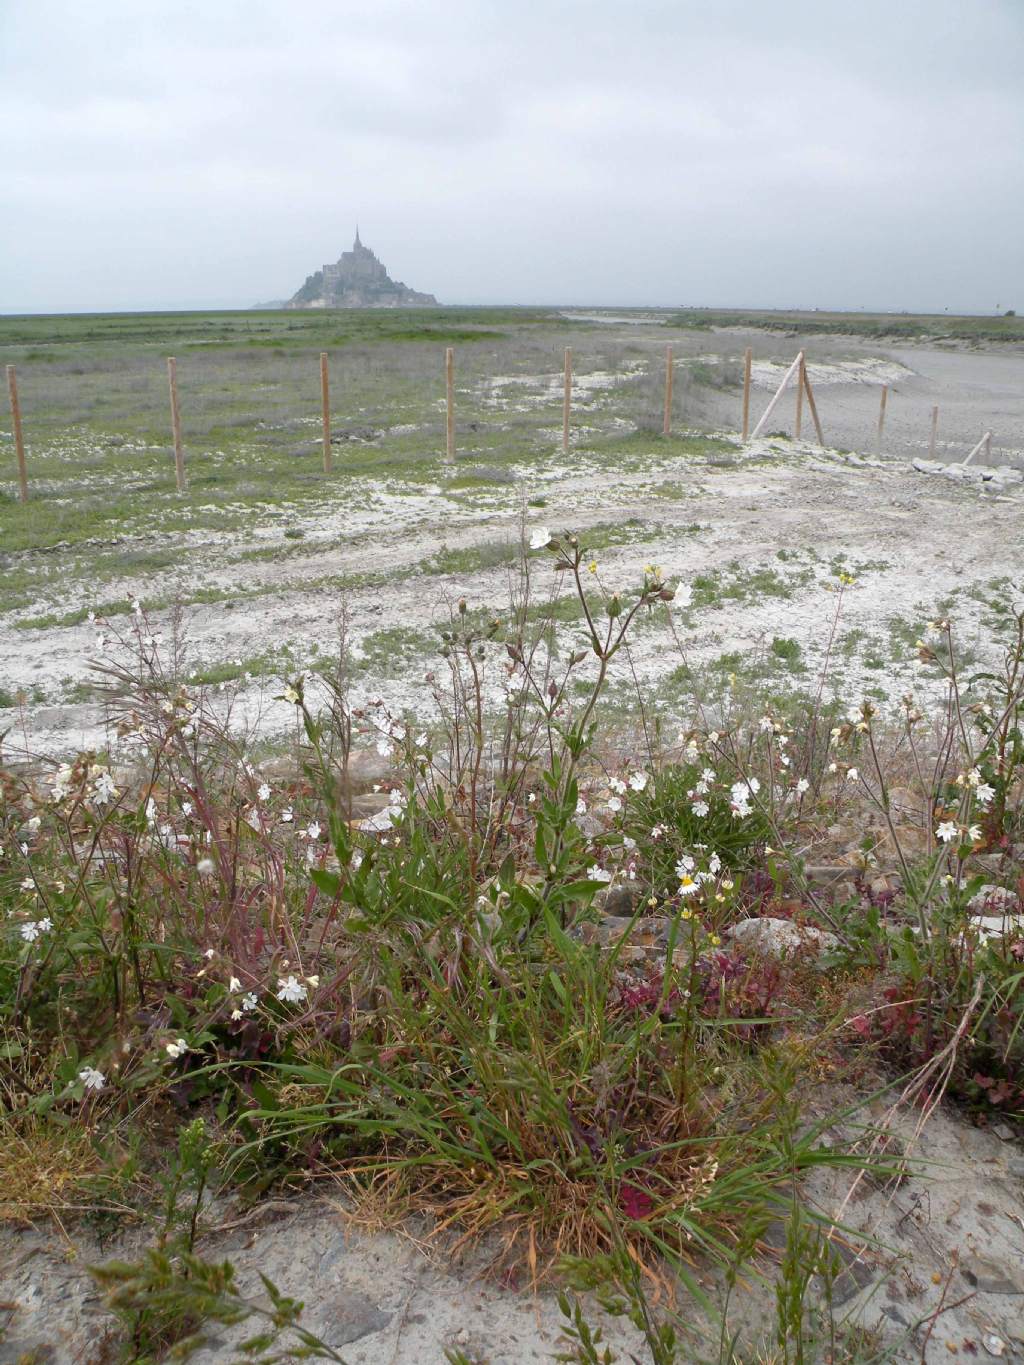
357	280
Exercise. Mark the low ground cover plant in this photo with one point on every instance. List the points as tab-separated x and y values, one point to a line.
515	988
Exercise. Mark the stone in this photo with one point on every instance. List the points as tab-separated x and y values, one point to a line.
346	1316
994	900
369	803
992	1277
998	926
619	902
780	938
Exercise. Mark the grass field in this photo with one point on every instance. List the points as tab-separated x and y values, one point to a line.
874	326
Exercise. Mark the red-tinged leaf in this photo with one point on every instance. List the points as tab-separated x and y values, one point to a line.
635	1202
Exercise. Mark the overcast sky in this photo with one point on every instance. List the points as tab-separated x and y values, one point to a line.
171	153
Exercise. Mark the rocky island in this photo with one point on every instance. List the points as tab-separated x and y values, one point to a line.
358	279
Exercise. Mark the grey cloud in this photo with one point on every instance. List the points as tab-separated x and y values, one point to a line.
582	151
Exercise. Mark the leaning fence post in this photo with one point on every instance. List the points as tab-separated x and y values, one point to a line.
748	355
179	454
19	440
881	418
935	428
325	410
778	394
666	426
984	444
449	373
566	398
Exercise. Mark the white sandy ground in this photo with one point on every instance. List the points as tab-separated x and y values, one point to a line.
923	540
951	1233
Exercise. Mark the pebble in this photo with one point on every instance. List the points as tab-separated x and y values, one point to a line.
994	900
779	938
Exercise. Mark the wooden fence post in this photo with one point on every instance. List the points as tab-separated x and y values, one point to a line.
935	428
325	410
19	440
179	454
566	399
801	381
449	374
778	394
669	373
988	446
748	356
812	404
881	418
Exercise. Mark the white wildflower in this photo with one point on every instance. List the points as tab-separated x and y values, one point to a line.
638	781
700	809
287	815
540	537
614	805
598	874
91	1078
263	792
314	831
947	832
291	990
984	793
205	867
617	786
176	1049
